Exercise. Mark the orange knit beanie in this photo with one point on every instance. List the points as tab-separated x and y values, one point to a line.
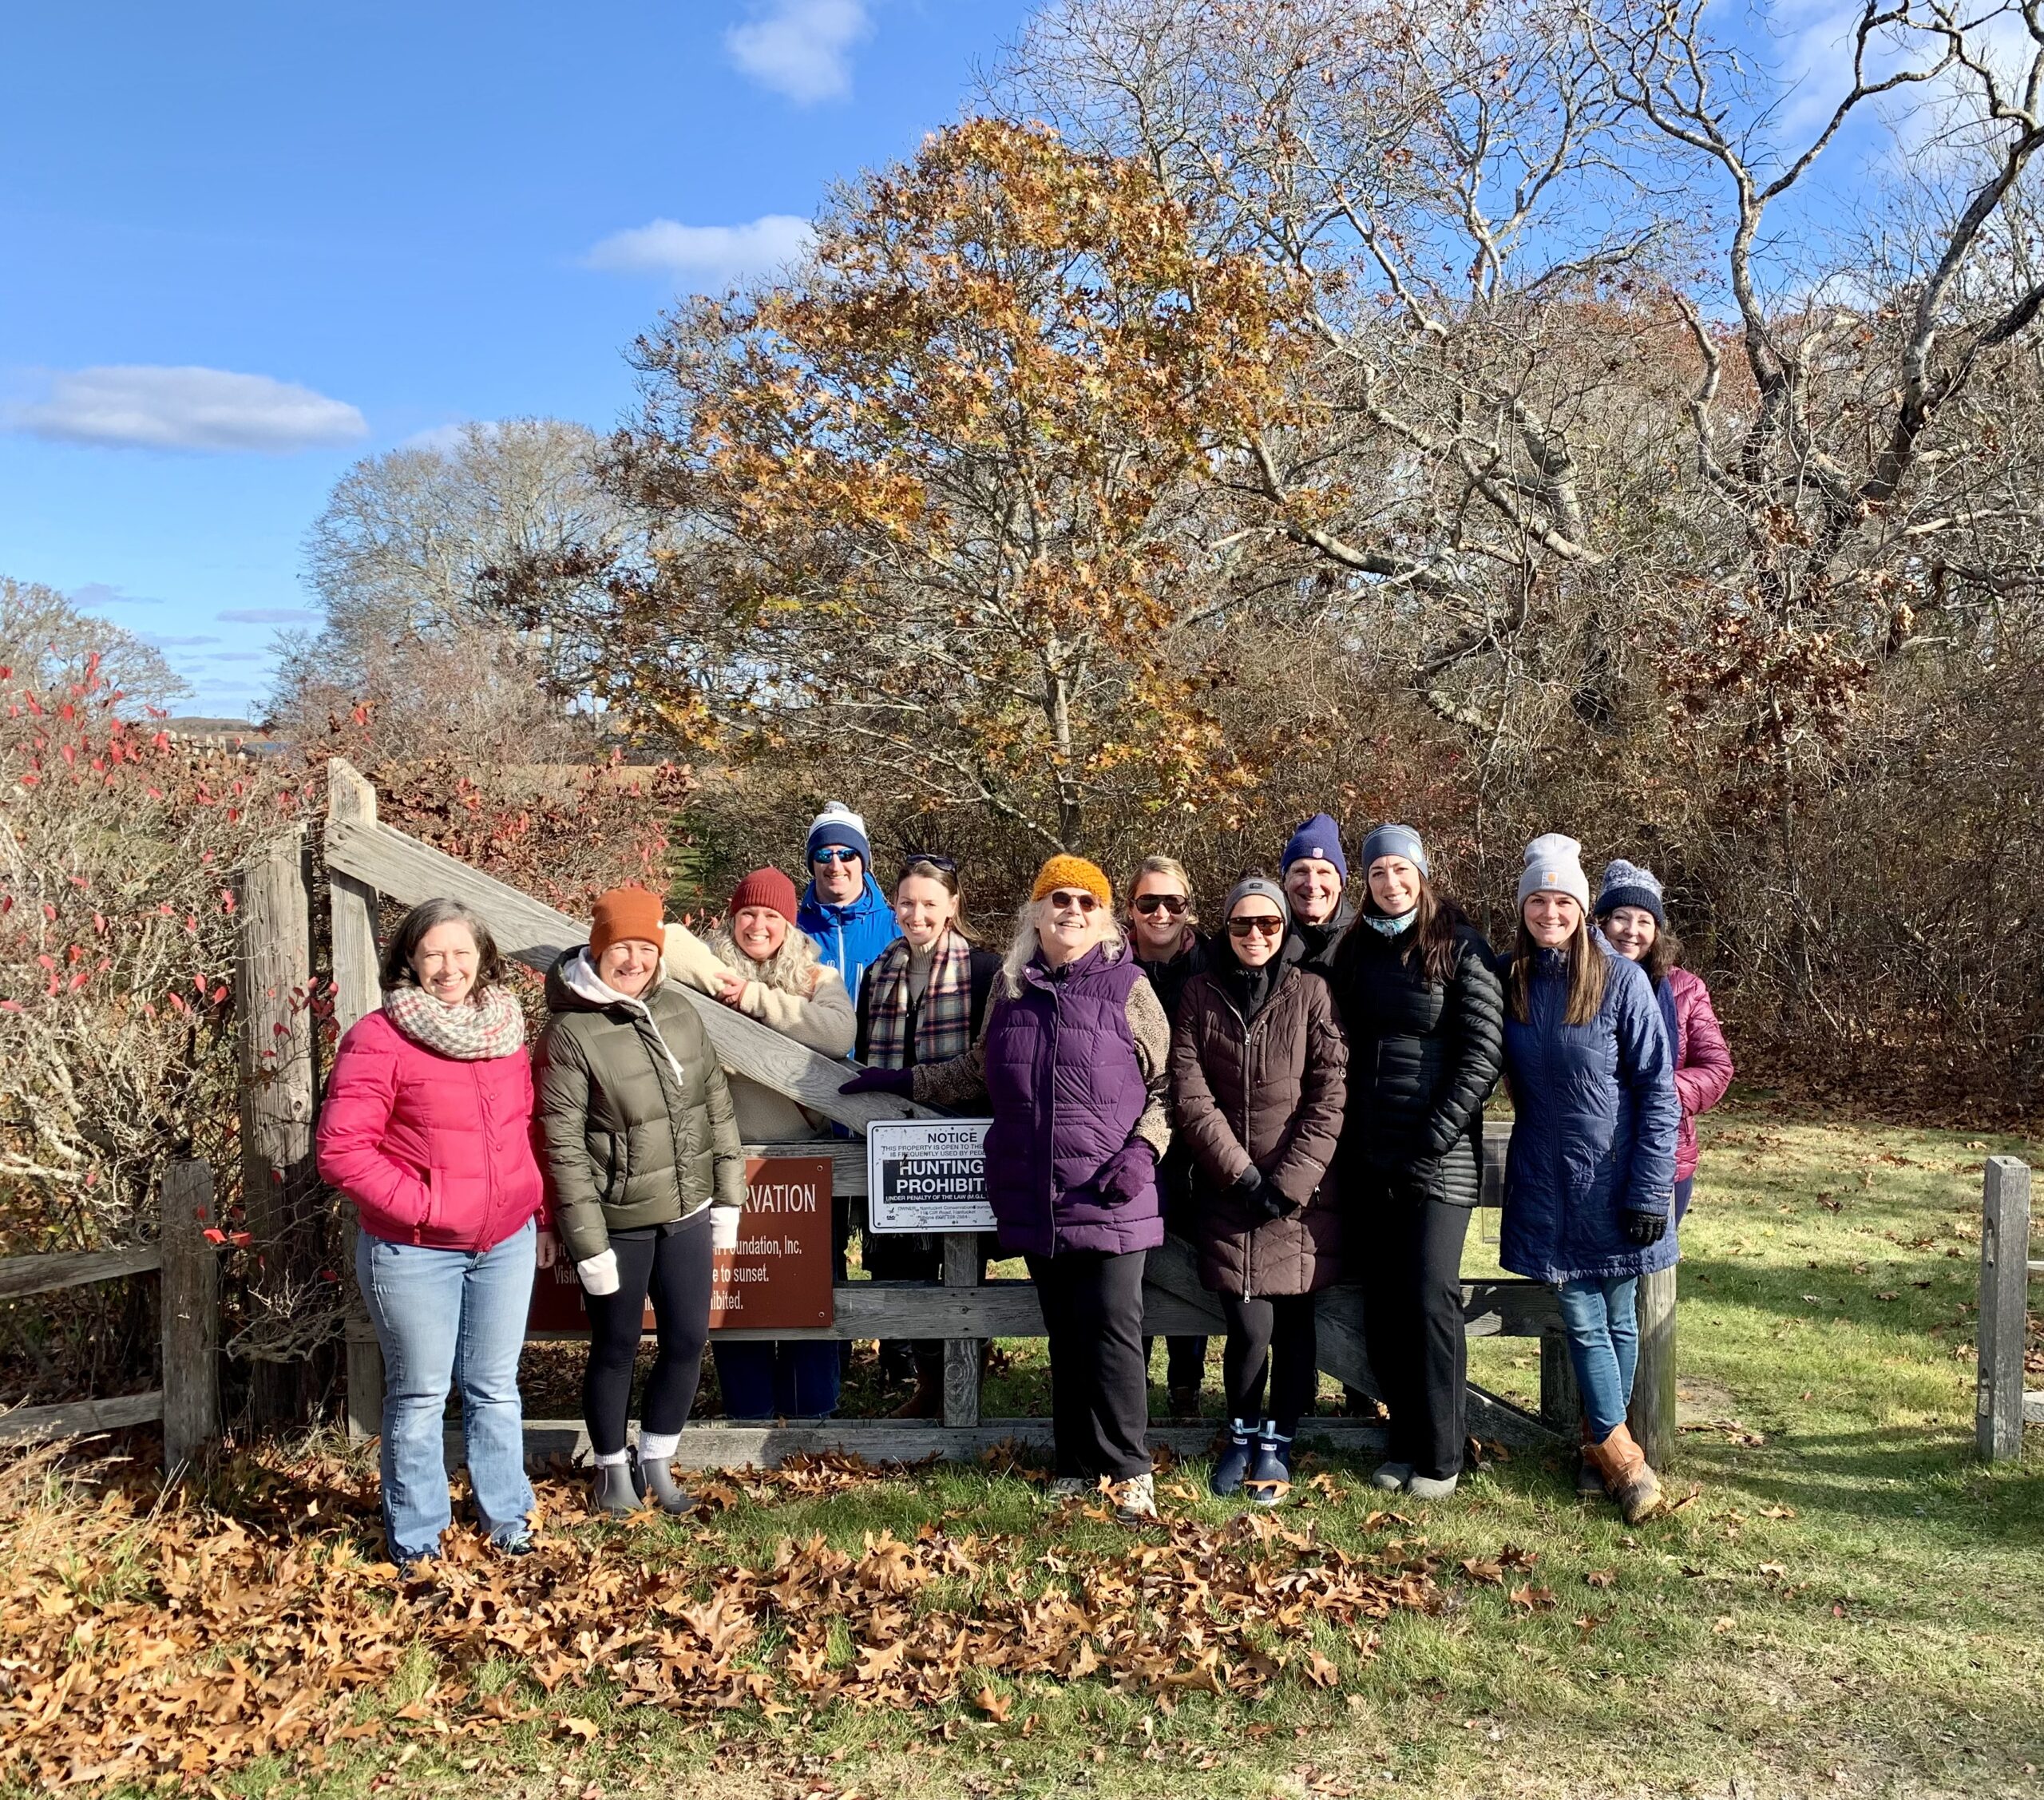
1072	871
623	913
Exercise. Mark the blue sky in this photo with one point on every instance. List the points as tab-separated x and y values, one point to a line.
246	244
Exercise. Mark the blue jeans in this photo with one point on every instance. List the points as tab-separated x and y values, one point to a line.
447	1317
801	1379
1603	1344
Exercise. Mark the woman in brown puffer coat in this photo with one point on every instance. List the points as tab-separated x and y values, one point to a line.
1258	1065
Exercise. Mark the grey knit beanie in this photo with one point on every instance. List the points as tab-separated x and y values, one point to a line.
1554	862
1395	840
1264	888
1631	884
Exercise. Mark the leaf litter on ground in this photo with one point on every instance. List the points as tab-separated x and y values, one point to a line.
146	1635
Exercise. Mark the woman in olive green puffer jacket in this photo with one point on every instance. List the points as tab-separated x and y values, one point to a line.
646	1173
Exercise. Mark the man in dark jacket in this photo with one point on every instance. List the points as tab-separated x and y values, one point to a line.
1316	877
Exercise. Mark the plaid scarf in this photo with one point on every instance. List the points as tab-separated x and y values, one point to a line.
486	1026
944	1021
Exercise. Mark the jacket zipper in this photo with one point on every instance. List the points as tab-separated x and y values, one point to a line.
1249	1031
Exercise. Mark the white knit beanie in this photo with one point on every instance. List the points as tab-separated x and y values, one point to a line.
1555	863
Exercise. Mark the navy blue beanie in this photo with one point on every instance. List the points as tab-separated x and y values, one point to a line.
1629	884
1319	837
1395	840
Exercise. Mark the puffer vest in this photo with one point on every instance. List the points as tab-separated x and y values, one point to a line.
1067	1089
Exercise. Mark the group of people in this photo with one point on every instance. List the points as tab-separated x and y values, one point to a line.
1299	1093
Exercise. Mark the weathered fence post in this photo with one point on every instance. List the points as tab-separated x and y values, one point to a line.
273	989
191	1307
1560	1401
351	799
1652	1413
961	1355
2004	1306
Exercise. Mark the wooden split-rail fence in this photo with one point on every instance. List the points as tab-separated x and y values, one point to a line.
368	862
188	1404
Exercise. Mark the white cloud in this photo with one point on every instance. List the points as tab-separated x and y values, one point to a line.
713	255
267	616
99	593
195	409
438	437
802	48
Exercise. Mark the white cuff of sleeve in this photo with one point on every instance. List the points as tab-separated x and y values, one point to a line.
598	1273
723	1227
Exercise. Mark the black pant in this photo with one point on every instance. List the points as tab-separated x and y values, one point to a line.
1275	1333
1185	1361
1092	1304
1412	1281
672	1263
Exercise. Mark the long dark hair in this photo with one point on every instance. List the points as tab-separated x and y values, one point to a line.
397	971
1430	943
1587	974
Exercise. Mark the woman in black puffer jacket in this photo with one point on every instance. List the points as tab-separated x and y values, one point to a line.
1425	1017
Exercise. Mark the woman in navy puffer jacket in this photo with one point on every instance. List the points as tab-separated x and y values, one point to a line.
1590	1183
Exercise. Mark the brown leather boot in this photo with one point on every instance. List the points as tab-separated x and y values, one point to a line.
1588	1481
1185	1402
926	1402
1626	1477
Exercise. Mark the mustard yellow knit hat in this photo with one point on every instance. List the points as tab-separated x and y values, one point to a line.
1072	871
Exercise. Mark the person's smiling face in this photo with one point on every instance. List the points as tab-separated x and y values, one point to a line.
1552	917
445	962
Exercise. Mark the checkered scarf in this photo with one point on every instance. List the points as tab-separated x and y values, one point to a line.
944	1022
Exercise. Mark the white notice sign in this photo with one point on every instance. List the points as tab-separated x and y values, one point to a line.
927	1175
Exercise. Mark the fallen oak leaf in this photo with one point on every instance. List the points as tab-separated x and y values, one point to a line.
995	1705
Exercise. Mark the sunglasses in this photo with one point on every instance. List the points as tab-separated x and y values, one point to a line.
831	852
1267	924
948	864
1064	901
1174	904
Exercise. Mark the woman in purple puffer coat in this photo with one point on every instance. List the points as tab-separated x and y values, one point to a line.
1073	1058
1631	915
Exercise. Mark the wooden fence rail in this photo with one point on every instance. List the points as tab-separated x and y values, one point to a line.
369	861
188	1401
2002	1407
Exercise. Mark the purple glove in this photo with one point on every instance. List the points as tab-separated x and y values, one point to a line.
1127	1173
900	1081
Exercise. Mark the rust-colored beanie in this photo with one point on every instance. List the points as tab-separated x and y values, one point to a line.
766	887
1072	871
623	913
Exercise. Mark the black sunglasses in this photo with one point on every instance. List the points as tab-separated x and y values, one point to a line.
1172	903
935	858
1264	925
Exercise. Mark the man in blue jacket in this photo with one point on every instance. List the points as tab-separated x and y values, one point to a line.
843	910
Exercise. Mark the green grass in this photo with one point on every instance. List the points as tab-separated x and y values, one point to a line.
1850	1602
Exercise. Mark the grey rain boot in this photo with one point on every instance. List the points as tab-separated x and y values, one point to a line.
616	1491
662	1490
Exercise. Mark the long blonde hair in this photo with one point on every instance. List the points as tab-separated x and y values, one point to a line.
1025	945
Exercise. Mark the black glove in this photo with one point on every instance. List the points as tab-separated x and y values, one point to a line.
1646	1227
900	1081
1259	1195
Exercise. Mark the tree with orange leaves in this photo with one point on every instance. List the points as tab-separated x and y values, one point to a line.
942	500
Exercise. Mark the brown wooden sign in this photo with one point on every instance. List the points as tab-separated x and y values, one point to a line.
778	1279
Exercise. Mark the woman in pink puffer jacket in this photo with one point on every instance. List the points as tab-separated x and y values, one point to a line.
1630	913
427	1127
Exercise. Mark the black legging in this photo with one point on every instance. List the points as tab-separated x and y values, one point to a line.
672	1263
1276	1334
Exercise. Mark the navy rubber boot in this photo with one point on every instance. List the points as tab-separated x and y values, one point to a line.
1269	1480
1233	1461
